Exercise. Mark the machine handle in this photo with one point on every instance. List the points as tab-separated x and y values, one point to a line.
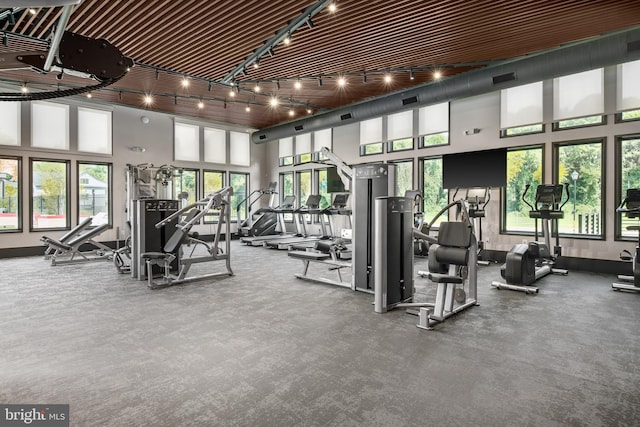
526	190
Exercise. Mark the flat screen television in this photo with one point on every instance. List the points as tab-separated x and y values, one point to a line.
487	168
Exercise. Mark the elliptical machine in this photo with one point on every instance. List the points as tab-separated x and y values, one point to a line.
630	206
526	263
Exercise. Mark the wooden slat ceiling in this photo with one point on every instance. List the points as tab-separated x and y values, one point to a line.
205	40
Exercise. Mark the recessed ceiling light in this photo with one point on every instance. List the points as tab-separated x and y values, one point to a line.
342	81
89	95
297	84
185	82
148	99
247	109
292	113
287	41
437	75
273	102
332	7
387	78
201	105
232	93
257	88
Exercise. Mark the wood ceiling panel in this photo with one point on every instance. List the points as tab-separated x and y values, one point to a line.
206	40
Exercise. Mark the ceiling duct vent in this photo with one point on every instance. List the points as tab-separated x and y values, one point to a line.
410	100
600	52
503	78
298	128
633	46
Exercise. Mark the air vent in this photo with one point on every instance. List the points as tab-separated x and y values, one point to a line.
298	128
633	46
503	78
263	136
345	116
411	100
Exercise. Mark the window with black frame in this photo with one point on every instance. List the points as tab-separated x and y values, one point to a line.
435	196
433	125
212	181
94	192
49	190
578	100
371	137
10	193
581	165
628	100
627	177
524	167
521	110
239	182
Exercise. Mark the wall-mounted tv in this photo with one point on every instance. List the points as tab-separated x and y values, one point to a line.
487	168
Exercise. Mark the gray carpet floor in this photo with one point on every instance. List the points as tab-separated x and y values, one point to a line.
262	348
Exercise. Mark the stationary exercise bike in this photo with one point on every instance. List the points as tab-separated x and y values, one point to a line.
526	263
630	206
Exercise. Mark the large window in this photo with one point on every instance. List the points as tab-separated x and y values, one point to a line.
628	94
303	148
400	131
10	190
94	131
187	183
239	181
50	125
578	100
304	189
628	176
287	189
9	123
94	192
435	196
321	178
521	110
285	151
524	167
433	124
581	165
212	181
239	149
404	176
371	137
215	145
186	143
49	194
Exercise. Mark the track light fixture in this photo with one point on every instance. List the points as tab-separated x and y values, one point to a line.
24	88
310	24
5	40
411	76
364	77
320	81
278	84
283	36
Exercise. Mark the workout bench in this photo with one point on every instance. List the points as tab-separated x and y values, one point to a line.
65	249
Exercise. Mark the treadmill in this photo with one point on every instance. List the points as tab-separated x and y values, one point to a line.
285	207
311	207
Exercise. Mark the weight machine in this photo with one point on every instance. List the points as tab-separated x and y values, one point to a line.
630	206
452	262
173	255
